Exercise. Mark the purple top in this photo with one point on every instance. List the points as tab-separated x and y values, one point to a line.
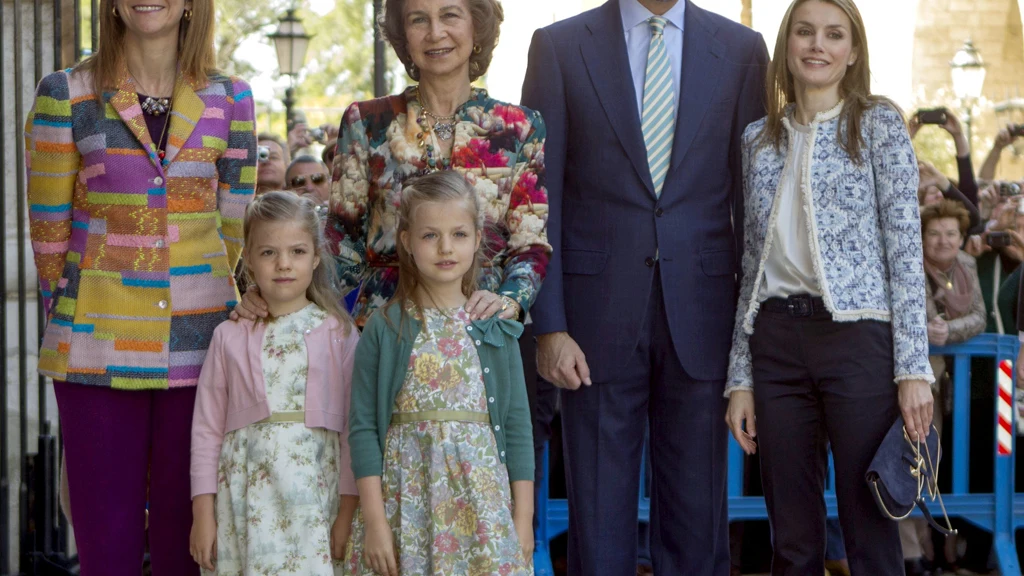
155	125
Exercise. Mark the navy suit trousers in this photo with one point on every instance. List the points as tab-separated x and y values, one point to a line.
603	434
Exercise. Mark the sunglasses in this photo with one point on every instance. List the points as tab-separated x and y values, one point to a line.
316	179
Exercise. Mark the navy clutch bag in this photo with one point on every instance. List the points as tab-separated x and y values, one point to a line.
904	473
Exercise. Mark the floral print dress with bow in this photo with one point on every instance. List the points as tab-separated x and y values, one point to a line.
446	492
277	482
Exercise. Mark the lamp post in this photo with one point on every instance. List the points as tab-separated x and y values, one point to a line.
291	43
379	87
968	74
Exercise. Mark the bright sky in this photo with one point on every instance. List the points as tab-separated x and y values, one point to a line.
890	26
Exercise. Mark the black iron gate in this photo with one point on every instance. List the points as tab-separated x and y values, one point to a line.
36	37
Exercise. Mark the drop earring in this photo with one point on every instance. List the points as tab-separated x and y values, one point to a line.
188	15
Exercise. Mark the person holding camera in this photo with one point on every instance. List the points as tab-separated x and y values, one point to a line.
1004	138
301	137
273	162
956	313
933	187
949	122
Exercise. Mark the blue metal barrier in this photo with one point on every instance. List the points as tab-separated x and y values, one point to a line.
1000	512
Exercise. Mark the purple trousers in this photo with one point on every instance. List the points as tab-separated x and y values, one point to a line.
124	449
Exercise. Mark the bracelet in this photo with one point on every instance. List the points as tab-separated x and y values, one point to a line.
507	301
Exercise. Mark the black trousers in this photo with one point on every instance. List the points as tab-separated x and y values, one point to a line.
818	381
603	433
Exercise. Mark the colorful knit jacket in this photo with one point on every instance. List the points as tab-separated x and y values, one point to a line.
135	254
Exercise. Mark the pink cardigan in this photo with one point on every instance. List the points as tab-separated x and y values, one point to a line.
232	395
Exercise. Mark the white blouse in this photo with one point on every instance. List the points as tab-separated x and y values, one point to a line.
788	269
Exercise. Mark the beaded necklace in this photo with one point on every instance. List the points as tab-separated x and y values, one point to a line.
443	128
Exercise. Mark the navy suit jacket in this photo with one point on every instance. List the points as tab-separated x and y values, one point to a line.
605	223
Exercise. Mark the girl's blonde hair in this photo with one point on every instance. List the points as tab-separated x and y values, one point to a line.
288	207
197	57
444	186
854	89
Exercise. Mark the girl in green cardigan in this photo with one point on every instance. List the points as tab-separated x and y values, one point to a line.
439	430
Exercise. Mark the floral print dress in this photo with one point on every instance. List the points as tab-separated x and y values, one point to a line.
277	483
446	493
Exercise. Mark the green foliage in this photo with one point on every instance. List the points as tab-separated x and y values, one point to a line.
236	21
339	68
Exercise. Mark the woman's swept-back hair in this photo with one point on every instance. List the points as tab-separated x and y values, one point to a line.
287	207
854	90
196	54
444	186
487	18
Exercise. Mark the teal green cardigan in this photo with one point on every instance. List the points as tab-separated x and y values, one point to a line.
382	358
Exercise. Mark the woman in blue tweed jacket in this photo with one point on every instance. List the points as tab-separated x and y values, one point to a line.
830	342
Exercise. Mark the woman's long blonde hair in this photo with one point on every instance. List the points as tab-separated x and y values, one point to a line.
444	186
854	90
288	207
197	57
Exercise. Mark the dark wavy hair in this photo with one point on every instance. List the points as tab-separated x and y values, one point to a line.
487	18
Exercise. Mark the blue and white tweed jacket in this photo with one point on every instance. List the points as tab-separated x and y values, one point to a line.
865	233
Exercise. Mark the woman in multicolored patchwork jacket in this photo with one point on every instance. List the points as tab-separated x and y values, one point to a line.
830	343
141	161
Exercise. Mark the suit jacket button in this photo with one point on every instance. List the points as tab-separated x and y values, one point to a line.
650	262
659	212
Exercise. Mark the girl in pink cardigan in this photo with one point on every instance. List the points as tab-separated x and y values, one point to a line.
269	436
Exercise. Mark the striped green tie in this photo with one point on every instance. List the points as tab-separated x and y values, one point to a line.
659	118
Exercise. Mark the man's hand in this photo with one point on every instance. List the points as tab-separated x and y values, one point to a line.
561	362
299	137
930	176
1003	138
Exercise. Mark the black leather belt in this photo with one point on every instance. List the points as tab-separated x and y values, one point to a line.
798	305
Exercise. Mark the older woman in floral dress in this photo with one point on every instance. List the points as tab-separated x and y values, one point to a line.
441	123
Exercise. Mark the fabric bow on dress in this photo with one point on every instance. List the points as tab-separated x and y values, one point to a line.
493	328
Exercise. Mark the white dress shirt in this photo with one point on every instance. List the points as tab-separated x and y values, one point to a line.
638	44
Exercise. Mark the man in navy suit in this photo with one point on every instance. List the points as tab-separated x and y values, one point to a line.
645	102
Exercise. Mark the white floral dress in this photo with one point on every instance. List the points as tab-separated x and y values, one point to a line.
446	492
277	483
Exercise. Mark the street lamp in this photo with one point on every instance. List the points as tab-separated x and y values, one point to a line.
968	74
291	43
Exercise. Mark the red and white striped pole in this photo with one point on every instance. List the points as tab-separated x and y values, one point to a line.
1004	410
